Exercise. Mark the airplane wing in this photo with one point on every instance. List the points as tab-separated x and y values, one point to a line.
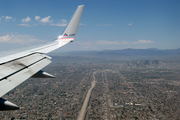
16	68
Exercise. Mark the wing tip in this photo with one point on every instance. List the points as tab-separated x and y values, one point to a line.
81	6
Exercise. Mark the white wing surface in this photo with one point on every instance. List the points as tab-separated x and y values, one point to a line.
16	68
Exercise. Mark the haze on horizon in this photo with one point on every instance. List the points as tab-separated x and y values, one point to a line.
105	25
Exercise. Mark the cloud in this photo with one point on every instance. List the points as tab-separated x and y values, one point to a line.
130	24
64	20
46	20
143	41
27	25
7	18
104	42
63	23
5	38
59	24
19	39
105	25
2	17
28	19
82	24
37	17
83	43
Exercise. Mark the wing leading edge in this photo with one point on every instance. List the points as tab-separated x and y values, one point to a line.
16	68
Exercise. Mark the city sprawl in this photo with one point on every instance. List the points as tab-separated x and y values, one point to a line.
132	89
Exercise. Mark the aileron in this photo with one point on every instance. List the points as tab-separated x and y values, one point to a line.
13	67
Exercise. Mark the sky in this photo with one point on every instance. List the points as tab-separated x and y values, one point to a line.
105	24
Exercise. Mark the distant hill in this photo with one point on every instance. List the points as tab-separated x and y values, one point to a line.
125	53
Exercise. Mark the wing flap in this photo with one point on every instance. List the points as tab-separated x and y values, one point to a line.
16	65
18	76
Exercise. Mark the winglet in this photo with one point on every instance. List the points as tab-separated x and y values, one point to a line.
71	29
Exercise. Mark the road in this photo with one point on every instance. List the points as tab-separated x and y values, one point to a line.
86	101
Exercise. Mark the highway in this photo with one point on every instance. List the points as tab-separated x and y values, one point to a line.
86	101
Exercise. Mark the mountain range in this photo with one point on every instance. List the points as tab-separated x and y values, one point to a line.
125	53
